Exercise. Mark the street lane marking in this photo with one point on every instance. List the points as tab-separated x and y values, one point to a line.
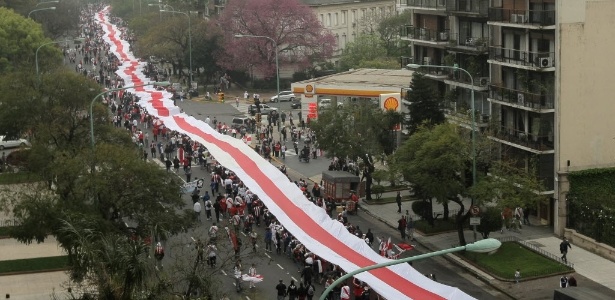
267	255
293	278
223	273
280	266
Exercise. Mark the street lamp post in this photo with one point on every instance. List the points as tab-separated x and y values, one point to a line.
161	6
114	90
38	77
47	2
482	246
473	126
189	40
277	68
39	9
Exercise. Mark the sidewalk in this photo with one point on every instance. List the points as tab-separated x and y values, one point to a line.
591	270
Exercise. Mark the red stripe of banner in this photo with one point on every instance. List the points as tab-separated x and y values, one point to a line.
300	217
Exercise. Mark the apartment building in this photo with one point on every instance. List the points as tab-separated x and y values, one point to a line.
525	57
346	19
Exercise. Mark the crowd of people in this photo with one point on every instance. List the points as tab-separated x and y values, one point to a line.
230	203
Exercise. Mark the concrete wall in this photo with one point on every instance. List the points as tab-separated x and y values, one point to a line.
586	102
584	89
352	18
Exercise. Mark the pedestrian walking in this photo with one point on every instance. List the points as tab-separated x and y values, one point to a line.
291	291
197	211
572	281
252	273
237	101
211	254
409	226
401	226
345	292
188	172
281	288
563	282
517	275
563	248
268	239
168	164
398	200
208	206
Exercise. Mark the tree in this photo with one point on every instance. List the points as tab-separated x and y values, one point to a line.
357	132
300	37
425	105
432	161
388	30
366	47
19	40
490	220
97	191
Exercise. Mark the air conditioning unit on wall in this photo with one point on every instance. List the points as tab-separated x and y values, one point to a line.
483	81
520	98
545	62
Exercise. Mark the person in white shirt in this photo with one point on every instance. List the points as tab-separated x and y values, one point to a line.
197	211
252	273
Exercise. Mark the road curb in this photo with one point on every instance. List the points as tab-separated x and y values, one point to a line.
460	264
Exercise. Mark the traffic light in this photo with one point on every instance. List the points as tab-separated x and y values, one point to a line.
258	118
221	97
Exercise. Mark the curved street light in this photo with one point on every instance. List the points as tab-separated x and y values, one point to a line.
277	69
38	77
165	83
39	9
47	2
473	126
482	246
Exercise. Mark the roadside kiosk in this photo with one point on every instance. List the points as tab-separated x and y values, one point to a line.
339	184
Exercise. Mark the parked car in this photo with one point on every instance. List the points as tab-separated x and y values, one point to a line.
284	96
240	122
295	104
6	143
326	103
265	109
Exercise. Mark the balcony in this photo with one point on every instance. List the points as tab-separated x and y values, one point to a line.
430	36
423	4
468	7
522	18
526	59
522	99
468	43
524	140
219	2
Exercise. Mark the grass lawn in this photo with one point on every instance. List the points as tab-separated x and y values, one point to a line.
20	177
512	256
34	264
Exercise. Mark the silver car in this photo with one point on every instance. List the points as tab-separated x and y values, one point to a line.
284	96
5	143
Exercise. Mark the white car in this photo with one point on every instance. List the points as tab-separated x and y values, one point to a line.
4	143
284	96
326	103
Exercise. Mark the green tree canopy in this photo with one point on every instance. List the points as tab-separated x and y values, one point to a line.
19	39
425	105
365	48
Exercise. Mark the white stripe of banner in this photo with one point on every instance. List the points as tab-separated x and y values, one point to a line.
318	232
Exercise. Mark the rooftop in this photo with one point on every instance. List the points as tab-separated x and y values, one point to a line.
370	77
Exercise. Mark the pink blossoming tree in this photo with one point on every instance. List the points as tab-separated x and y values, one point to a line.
300	37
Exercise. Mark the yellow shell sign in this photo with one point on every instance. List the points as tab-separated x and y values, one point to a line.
309	88
391	103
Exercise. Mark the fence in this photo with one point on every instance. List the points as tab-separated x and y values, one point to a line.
9	223
535	249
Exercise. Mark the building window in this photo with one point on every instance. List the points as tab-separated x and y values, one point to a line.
373	12
382	12
322	19
363	13
336	19
343	46
328	19
353	17
344	17
337	41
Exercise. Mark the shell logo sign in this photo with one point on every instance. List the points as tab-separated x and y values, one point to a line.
309	90
390	101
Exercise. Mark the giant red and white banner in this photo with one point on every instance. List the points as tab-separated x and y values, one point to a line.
309	223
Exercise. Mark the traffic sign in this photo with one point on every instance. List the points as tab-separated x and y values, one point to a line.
474	221
475	210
